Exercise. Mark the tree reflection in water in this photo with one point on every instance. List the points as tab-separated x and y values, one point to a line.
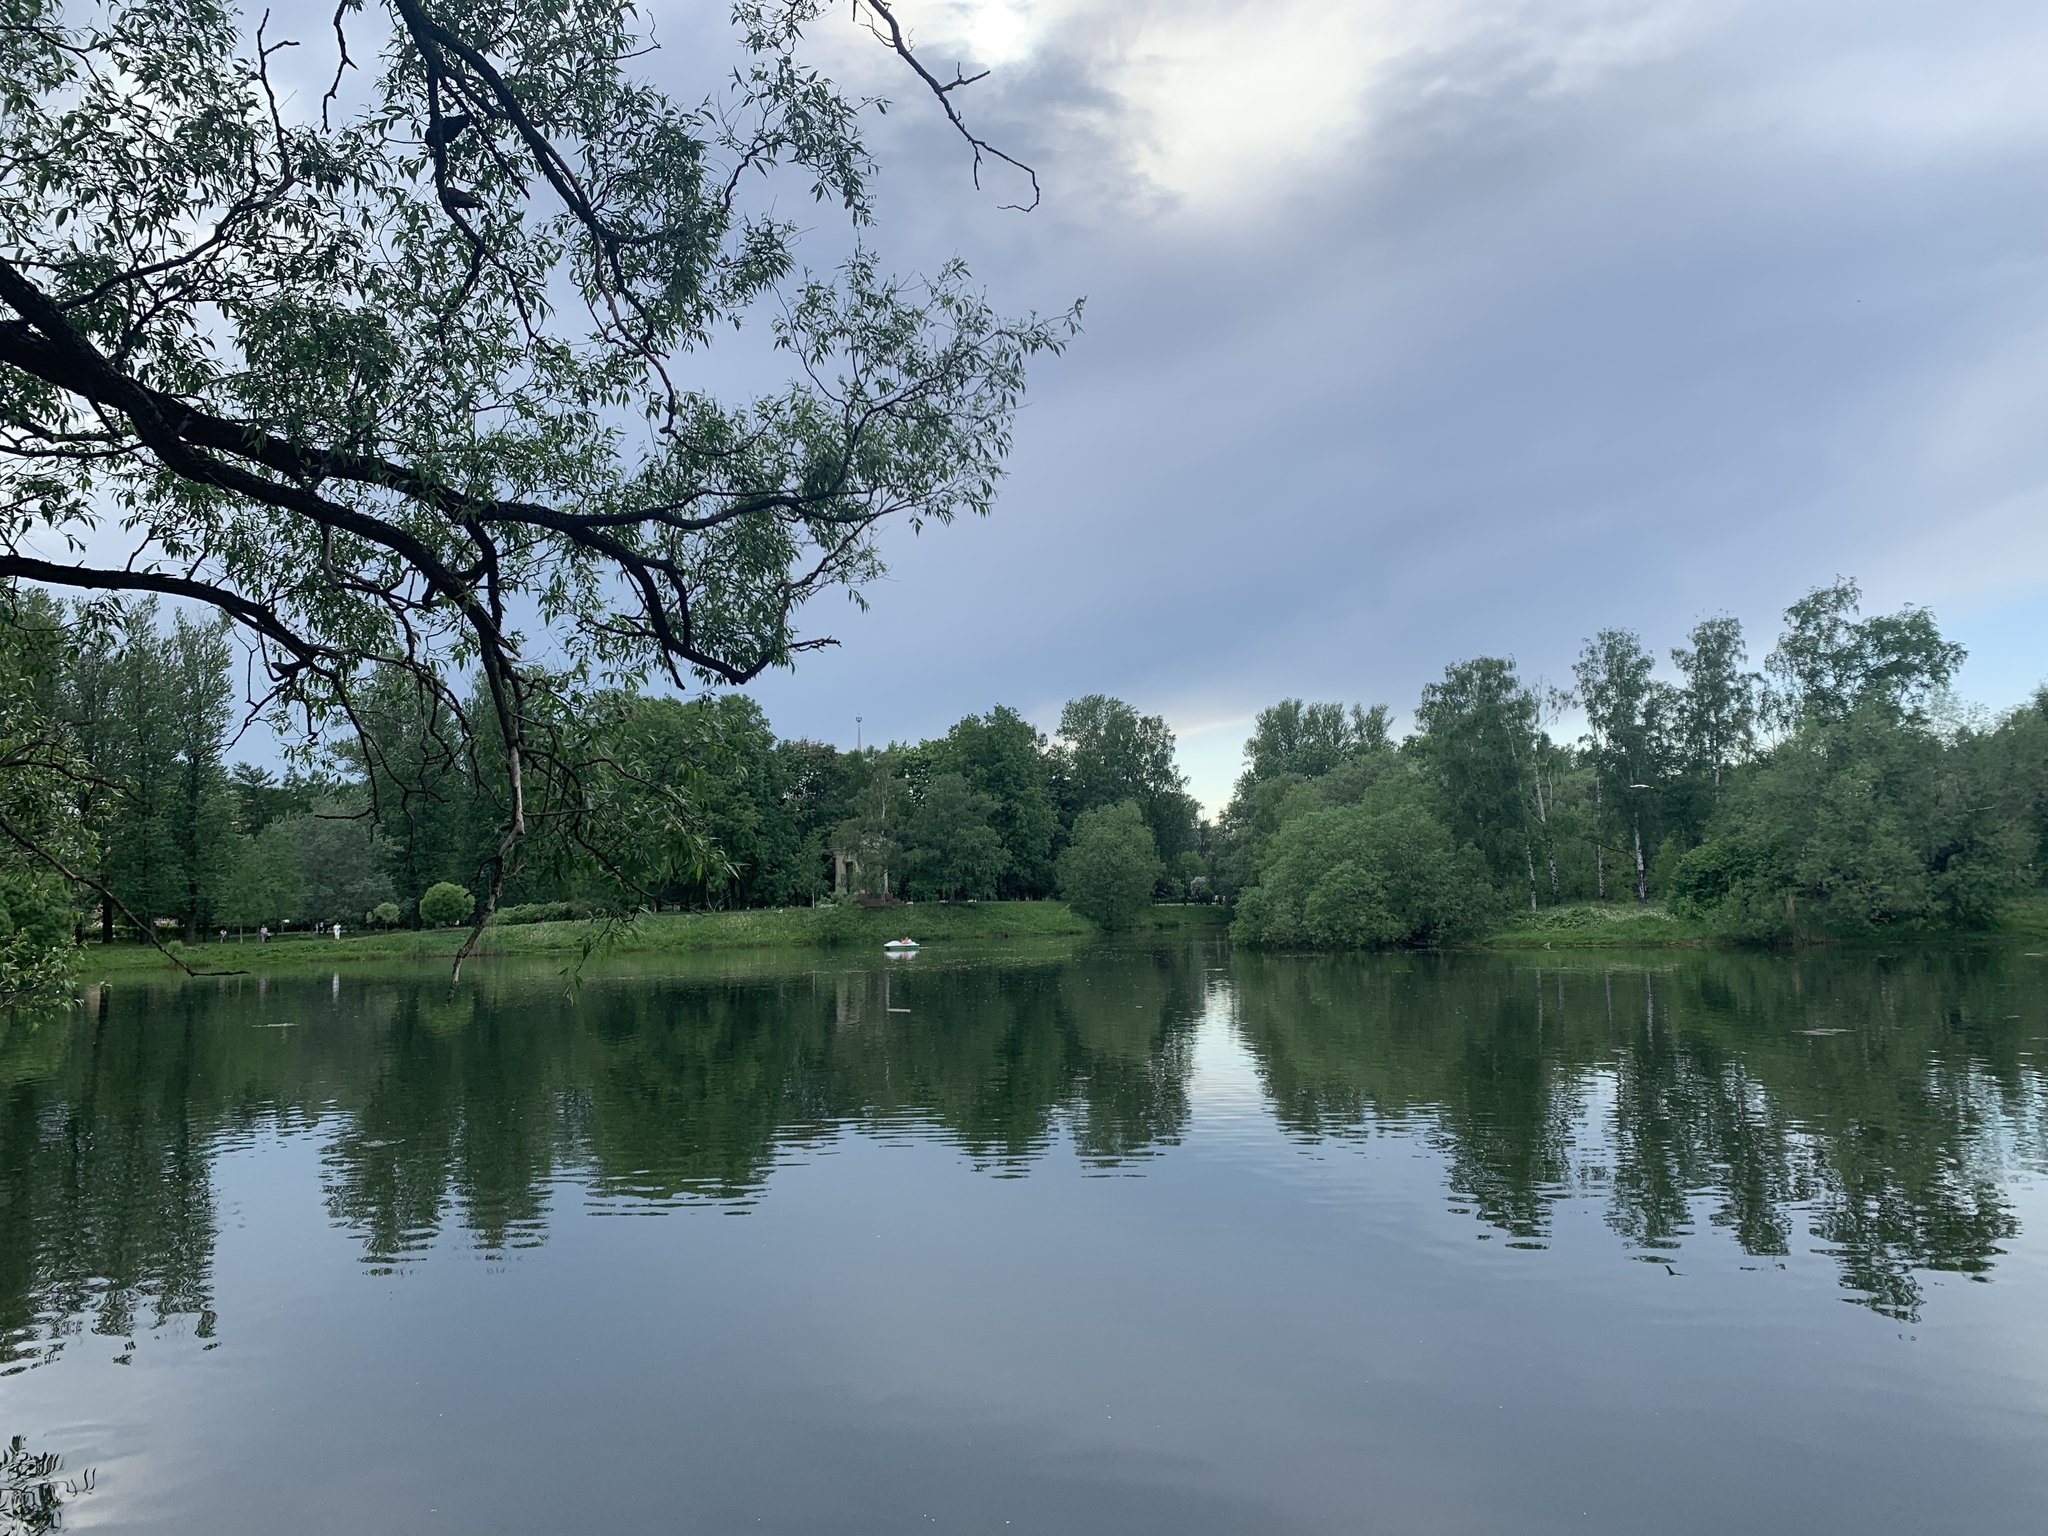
1878	1106
33	1491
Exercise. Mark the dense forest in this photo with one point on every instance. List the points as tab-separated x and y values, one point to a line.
1838	788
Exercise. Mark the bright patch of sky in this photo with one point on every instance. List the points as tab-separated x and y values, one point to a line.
1227	97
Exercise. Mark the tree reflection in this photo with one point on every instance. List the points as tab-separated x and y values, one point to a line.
32	1490
1879	1107
106	1205
1875	1108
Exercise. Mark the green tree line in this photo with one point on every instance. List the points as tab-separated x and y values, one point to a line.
125	726
1839	789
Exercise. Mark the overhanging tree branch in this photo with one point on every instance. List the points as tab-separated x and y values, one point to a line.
326	371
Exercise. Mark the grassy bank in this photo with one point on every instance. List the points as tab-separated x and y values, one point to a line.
2027	917
1601	925
779	928
1585	925
1625	925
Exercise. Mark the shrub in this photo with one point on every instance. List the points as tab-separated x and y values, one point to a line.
540	912
1107	872
446	903
1362	877
385	914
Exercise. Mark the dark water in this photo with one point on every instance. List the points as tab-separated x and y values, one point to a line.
1127	1241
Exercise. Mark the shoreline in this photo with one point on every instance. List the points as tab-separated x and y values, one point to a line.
1584	926
1592	925
931	923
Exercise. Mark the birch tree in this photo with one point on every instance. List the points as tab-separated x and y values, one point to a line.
1717	709
1628	720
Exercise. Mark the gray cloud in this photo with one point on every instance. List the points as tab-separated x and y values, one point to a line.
1421	331
1554	331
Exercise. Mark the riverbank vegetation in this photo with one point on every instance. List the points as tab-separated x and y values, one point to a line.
828	927
1838	792
692	804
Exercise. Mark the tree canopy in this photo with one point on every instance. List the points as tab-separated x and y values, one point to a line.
1828	662
1308	740
1109	754
386	376
1107	872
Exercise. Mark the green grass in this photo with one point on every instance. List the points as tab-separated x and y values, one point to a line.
1583	925
781	928
1625	925
1601	925
2027	917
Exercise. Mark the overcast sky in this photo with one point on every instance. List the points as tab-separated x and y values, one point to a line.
1423	330
1426	330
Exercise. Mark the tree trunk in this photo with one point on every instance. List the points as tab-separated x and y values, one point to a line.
1549	842
1529	854
1642	880
106	919
1599	845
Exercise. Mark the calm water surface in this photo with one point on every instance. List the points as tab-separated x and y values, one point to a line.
1105	1240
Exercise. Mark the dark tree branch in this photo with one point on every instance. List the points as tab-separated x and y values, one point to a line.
899	44
246	611
344	62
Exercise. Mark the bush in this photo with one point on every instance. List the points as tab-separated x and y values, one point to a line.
540	912
1108	870
1855	825
1363	877
446	903
385	914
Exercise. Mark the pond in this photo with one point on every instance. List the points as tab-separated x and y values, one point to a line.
1109	1238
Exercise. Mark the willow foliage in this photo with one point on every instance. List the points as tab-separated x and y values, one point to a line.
387	374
